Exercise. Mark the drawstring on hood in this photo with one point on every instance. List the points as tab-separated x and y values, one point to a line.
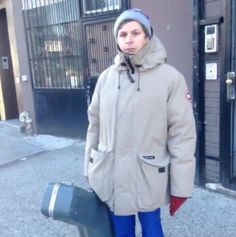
138	66
127	59
150	56
130	66
129	75
119	81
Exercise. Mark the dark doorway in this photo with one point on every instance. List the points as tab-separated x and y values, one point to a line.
198	92
228	105
8	102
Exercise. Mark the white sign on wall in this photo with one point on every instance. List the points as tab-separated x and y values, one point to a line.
211	71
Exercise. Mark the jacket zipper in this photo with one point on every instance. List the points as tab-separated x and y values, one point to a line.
114	141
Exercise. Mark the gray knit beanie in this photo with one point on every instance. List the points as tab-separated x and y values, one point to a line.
136	15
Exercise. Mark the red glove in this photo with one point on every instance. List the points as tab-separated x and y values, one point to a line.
175	203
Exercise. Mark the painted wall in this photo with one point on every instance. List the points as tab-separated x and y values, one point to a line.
172	22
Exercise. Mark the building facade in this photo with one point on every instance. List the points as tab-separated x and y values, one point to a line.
52	52
59	47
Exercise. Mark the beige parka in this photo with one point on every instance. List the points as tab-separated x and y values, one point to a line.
141	137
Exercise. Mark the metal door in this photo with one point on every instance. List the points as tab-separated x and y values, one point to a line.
100	48
233	66
229	105
207	89
8	103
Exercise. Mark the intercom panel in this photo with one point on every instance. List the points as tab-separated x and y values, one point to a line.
211	38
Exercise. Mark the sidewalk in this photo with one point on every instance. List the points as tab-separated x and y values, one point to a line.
27	164
16	146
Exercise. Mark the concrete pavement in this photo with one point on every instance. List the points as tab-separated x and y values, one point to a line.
27	164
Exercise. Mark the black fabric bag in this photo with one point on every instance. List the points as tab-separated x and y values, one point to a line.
77	206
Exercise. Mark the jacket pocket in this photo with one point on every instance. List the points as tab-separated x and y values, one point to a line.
152	181
99	173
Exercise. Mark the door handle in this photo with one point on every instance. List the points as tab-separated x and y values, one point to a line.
229	82
230	86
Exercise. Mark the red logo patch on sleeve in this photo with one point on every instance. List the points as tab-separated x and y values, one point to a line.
188	96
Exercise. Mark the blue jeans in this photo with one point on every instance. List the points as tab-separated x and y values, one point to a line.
124	226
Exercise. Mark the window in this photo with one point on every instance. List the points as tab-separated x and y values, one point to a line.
101	46
53	36
99	6
30	4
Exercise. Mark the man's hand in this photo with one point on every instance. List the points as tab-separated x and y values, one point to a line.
175	203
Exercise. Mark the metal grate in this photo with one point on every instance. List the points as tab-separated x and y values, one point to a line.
101	46
53	36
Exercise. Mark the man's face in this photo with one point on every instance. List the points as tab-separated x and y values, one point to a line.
131	37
